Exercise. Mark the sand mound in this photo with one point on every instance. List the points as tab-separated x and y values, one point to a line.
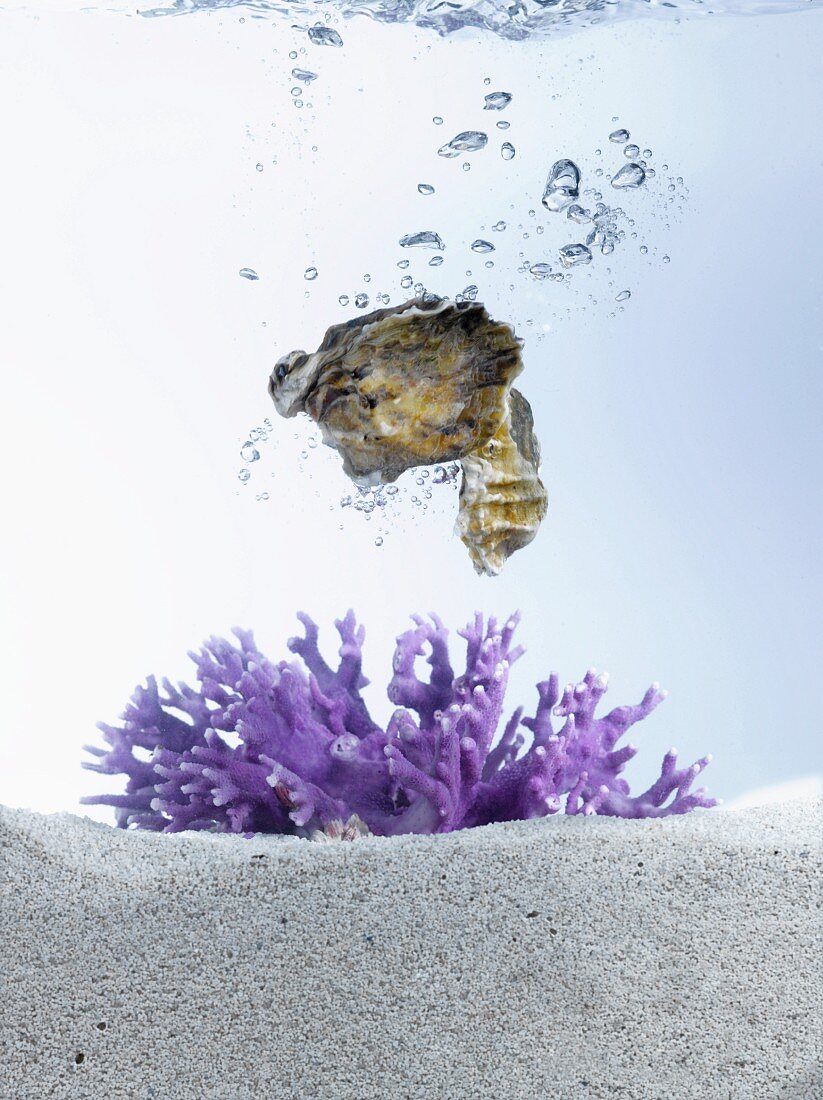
597	958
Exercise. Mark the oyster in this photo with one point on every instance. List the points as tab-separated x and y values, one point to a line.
416	384
421	383
502	499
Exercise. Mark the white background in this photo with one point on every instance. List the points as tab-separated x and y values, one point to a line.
680	436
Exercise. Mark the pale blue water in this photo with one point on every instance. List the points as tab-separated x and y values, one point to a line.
180	207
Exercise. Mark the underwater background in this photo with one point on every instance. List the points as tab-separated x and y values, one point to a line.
153	166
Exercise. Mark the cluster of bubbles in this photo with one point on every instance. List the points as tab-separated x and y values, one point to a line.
319	35
561	192
600	226
465	142
596	226
300	79
250	453
380	504
362	300
386	502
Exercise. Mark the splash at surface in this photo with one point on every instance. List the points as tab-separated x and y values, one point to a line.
520	20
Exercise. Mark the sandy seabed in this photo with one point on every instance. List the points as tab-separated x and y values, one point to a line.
562	957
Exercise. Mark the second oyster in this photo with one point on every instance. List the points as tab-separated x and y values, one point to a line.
502	499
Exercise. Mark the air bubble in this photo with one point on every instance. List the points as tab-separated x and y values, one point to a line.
497	101
425	239
468	141
321	35
630	175
575	255
562	186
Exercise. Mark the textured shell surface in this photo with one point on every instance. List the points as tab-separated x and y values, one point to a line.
502	499
420	383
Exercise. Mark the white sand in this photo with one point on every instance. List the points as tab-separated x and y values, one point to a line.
564	957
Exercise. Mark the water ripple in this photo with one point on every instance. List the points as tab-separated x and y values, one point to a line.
512	19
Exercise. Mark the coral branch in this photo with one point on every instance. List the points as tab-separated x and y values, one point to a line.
405	689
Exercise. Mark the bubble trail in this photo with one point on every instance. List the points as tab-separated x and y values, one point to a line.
468	141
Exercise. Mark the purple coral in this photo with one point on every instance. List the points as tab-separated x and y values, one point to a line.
272	748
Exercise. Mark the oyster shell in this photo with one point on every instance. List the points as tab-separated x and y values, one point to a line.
502	499
349	830
412	385
421	383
